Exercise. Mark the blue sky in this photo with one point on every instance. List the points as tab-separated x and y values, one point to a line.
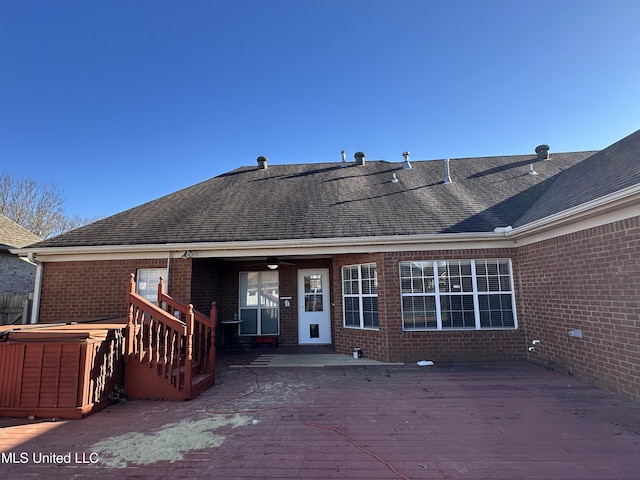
120	102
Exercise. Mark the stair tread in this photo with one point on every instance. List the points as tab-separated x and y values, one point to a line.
200	377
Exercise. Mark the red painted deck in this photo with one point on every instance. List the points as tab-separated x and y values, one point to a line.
471	421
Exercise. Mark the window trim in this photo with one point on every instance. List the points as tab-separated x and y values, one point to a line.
438	294
360	296
145	272
259	308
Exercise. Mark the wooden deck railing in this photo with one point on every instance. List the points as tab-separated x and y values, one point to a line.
203	329
164	338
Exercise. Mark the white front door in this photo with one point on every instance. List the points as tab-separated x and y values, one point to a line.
314	314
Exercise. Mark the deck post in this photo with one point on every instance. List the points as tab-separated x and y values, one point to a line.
188	372
213	317
161	291
130	339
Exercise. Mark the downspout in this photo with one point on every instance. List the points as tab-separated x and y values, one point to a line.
168	271
386	315
37	288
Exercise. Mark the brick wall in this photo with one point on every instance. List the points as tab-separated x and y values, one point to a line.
180	279
86	290
288	315
16	276
589	280
373	343
207	284
391	343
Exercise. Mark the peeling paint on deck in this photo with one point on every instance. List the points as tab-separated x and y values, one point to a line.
168	443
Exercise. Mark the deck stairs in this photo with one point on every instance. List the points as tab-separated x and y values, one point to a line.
169	348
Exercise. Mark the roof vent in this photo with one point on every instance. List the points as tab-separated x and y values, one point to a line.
542	152
360	158
406	165
447	174
394	179
262	162
344	158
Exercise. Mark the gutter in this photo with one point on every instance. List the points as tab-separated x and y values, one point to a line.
258	248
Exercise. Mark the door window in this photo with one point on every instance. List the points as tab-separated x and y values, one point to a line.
313	294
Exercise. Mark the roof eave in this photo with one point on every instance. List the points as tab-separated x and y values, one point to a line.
319	246
615	206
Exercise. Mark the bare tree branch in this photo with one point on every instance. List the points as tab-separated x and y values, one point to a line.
37	207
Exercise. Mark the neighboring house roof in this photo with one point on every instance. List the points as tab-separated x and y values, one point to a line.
303	201
13	235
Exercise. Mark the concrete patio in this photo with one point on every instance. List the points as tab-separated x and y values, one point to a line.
369	421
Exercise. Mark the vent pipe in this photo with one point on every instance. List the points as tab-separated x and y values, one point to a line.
360	158
344	158
447	174
406	165
542	152
262	162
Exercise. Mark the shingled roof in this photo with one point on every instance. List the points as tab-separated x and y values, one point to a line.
13	235
611	170
325	200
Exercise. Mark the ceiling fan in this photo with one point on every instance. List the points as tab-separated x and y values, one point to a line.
272	263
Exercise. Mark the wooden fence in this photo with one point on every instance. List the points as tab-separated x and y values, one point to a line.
15	309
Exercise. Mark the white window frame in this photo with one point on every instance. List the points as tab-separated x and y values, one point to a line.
438	293
262	303
361	296
147	280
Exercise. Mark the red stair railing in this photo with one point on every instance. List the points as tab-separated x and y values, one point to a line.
164	337
203	328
